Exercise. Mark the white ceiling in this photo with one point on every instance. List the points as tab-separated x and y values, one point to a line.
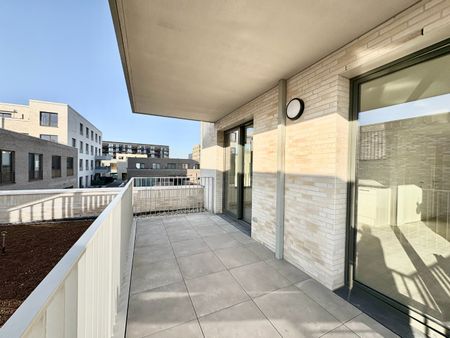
201	59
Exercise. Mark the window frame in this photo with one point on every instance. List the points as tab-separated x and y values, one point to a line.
12	171
32	171
56	171
50	115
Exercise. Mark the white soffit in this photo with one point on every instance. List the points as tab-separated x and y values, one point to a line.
201	59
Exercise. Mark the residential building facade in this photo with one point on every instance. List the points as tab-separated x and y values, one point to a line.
196	153
57	122
164	167
113	148
353	187
31	163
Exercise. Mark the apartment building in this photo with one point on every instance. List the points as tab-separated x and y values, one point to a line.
113	148
28	162
57	122
326	129
162	167
196	153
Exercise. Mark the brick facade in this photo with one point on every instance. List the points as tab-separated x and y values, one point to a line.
317	151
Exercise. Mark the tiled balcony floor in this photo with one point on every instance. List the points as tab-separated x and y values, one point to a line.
198	276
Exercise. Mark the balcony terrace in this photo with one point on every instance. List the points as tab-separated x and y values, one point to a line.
176	270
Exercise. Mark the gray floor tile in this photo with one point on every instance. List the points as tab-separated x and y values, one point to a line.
158	309
366	327
183	235
150	276
288	270
190	247
221	241
242	238
236	256
334	304
208	230
259	278
187	330
261	251
200	264
296	315
242	320
228	228
215	292
150	229
341	332
147	239
152	253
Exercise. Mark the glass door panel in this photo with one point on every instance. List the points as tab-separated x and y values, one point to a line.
247	173
231	174
403	187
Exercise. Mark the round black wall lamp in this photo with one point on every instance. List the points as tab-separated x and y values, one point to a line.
294	109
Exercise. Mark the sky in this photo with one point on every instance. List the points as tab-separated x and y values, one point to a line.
66	51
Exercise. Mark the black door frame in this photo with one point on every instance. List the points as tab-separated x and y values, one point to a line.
240	186
401	312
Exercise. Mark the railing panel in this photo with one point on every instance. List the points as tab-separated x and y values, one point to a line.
78	298
156	195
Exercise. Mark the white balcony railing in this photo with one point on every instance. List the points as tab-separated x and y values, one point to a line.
79	297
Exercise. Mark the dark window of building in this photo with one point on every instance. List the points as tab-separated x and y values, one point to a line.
6	167
96	137
156	166
92	135
53	138
74	143
56	166
87	132
99	139
81	182
49	119
81	128
185	166
87	148
35	163
70	166
87	167
92	164
171	165
81	164
5	114
81	146
92	150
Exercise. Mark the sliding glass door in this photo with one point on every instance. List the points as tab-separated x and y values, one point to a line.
238	172
402	190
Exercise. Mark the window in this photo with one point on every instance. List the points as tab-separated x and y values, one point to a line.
5	114
185	166
92	164
6	167
140	166
87	166
92	150
96	137
81	164
49	119
34	166
87	180
80	182
52	138
87	148
81	146
171	165
92	135
56	166
99	139
81	128
87	132
156	166
74	143
69	166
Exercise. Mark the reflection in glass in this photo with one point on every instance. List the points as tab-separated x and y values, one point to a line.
231	171
403	198
248	161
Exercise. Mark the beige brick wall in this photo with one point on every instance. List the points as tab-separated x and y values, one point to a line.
317	143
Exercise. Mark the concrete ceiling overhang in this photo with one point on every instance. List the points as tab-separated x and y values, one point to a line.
201	59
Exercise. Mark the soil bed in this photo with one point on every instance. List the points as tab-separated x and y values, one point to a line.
32	250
